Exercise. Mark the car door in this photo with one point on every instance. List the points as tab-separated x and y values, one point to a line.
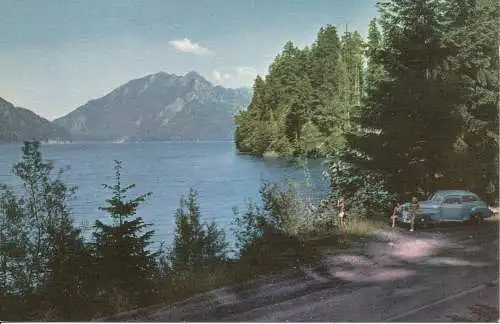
452	208
469	202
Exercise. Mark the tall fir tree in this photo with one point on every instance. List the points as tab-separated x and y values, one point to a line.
124	263
326	79
374	69
353	48
472	36
410	115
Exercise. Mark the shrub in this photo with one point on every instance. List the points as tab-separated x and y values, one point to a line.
41	252
365	193
199	248
196	243
278	213
266	234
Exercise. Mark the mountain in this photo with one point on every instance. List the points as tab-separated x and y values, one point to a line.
20	124
160	106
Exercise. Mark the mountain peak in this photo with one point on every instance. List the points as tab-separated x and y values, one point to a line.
158	106
156	76
160	74
198	81
20	124
193	74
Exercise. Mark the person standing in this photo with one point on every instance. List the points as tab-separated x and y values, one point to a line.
395	213
414	206
341	207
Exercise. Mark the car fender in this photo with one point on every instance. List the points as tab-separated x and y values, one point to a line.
484	211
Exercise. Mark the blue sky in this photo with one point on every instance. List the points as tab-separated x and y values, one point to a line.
56	55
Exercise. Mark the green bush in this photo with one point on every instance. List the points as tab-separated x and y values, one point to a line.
196	244
41	252
365	192
266	233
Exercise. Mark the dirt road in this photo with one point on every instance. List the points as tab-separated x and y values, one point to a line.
432	275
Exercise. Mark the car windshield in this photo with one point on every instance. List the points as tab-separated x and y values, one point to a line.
435	197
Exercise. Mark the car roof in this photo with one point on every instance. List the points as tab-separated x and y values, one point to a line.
455	192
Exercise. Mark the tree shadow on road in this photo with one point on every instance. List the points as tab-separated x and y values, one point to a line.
400	262
391	256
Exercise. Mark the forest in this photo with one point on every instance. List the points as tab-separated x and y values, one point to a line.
415	104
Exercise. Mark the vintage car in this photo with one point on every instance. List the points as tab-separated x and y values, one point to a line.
447	206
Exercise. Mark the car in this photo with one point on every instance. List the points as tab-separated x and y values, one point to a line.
447	206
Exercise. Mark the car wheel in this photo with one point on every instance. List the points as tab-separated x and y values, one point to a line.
476	218
423	222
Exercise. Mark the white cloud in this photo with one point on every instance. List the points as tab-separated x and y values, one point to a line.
234	76
187	46
246	71
220	77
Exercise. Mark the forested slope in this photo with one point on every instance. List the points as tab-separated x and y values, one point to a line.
304	103
415	103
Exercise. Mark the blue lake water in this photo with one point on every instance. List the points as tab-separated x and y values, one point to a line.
222	178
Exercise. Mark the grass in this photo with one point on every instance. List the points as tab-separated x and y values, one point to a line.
364	227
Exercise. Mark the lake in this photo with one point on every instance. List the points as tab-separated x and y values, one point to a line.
223	178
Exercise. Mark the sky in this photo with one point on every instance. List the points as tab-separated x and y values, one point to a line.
57	55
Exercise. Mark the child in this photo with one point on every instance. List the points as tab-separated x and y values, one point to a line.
395	213
413	212
341	206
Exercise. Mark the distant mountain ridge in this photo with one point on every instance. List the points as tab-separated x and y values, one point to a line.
159	106
20	124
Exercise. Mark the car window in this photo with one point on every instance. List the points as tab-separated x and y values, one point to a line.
469	198
435	197
452	200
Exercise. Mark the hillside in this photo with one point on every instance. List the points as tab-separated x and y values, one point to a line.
160	106
20	124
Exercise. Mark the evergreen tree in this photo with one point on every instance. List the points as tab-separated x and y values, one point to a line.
472	36
326	79
411	114
353	49
124	263
294	88
196	244
253	133
70	281
374	69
